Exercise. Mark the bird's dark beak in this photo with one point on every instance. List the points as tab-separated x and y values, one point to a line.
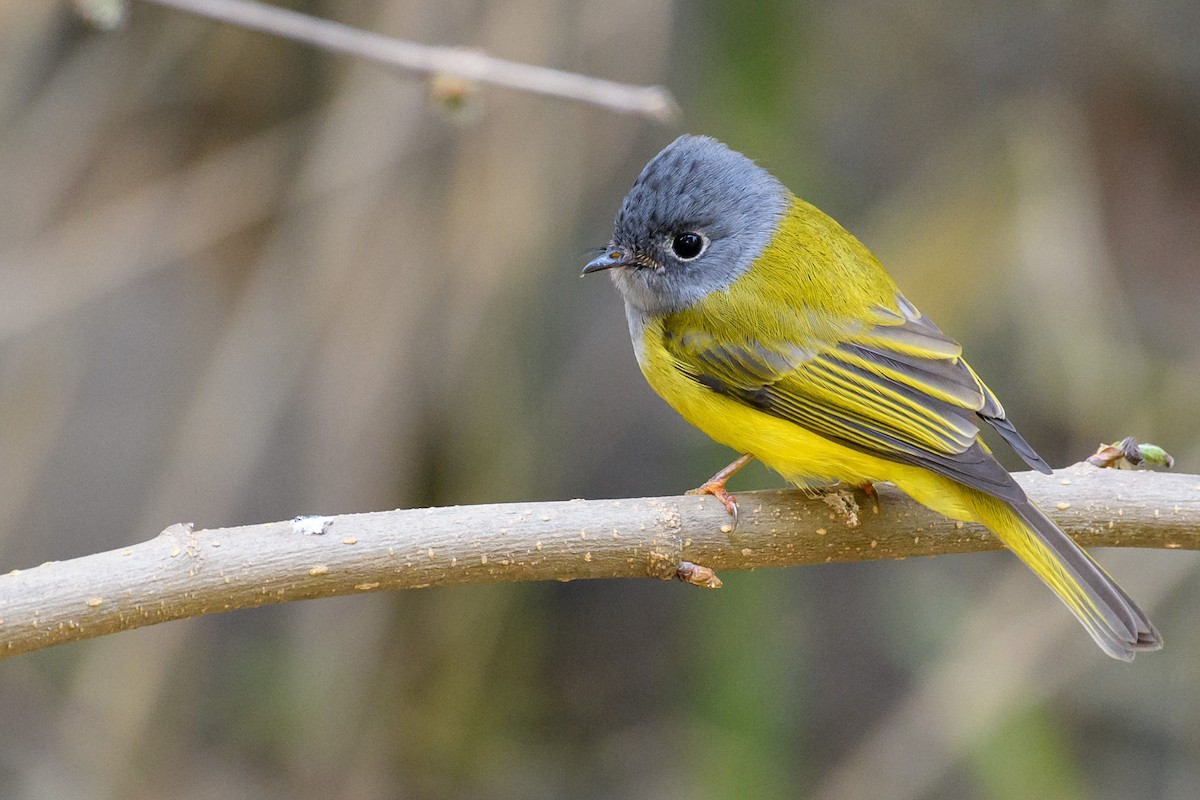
615	257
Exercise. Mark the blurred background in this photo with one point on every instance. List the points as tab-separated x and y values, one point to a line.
241	280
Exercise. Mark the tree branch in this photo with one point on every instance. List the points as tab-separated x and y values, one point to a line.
654	102
186	573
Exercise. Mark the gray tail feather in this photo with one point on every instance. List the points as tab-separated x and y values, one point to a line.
1117	624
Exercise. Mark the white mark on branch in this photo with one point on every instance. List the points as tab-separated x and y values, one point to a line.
312	525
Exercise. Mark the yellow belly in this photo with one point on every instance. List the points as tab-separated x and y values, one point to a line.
804	458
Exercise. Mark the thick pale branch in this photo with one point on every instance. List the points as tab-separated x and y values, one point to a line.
185	573
651	101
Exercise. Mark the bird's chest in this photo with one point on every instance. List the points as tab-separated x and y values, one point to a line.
724	419
799	455
699	406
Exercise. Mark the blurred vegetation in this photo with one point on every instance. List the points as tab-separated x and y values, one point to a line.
243	280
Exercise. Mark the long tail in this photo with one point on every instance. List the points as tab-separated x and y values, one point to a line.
1113	620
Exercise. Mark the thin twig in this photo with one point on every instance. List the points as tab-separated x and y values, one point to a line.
185	573
654	102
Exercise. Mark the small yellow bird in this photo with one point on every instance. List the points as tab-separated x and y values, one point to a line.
772	329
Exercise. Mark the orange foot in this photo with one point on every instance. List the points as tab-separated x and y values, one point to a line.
716	486
869	490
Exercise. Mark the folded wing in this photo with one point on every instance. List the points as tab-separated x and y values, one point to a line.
894	386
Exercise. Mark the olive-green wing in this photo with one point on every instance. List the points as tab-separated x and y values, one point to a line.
894	386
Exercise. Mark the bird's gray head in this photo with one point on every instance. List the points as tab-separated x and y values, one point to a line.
695	219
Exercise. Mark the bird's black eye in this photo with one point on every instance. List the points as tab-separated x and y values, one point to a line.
688	245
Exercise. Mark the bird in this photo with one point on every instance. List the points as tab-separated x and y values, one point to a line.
776	332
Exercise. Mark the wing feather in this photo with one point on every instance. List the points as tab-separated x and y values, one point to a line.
895	386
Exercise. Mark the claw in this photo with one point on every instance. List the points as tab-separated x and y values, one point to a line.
717	490
869	490
716	487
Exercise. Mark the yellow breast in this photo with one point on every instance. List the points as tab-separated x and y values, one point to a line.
802	457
